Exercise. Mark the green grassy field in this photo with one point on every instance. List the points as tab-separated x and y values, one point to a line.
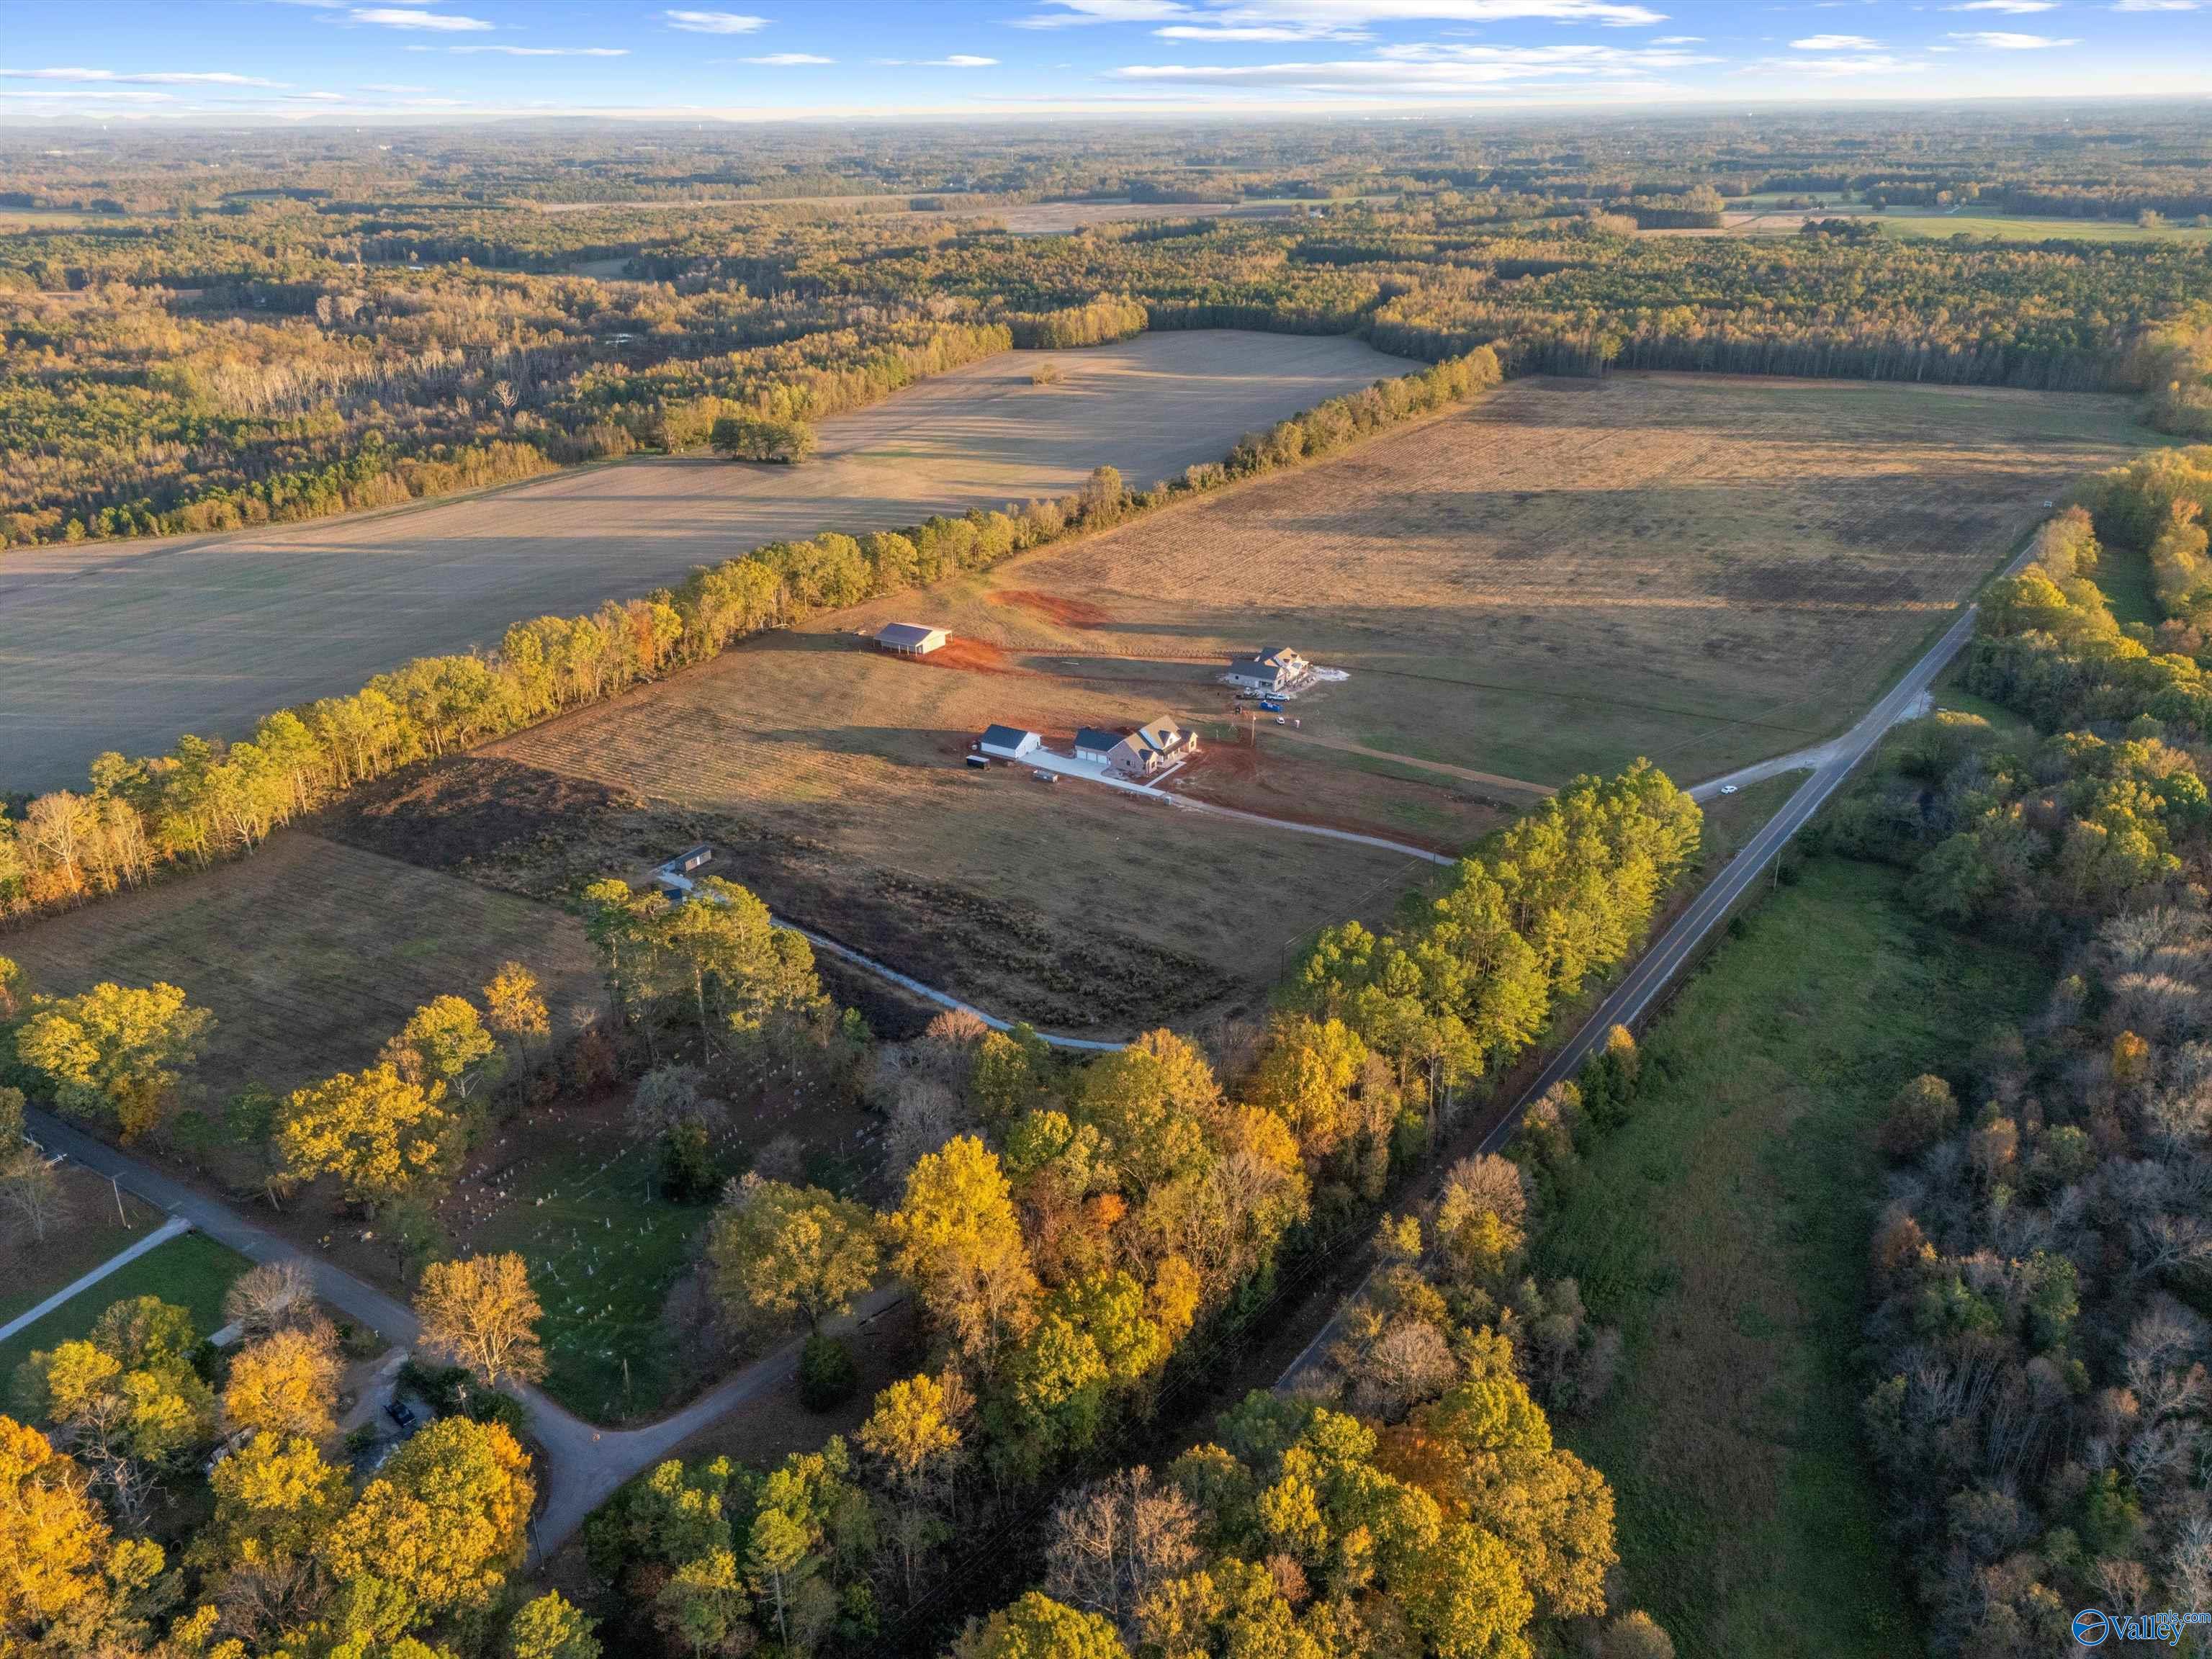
602	1258
192	1271
2123	575
1725	1231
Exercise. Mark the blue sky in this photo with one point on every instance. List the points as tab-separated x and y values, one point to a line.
335	60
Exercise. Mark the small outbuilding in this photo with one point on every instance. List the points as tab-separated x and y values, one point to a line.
1008	743
1277	669
1093	745
910	639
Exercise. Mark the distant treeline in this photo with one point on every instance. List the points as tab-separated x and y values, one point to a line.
206	800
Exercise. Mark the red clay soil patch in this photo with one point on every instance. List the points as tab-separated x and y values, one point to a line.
976	656
1052	607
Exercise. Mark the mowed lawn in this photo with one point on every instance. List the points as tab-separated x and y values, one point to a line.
604	1248
309	954
192	1271
1568	574
1725	1230
126	645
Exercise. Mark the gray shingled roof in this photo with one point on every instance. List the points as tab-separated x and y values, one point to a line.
1092	737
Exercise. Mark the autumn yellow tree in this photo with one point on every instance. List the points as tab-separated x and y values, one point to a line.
285	1384
514	1006
480	1313
1307	1077
551	1627
276	1502
115	1053
54	1539
444	1043
443	1525
381	1135
957	1240
776	1252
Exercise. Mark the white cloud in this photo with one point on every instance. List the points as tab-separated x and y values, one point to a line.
1841	66
781	59
394	91
2157	5
1835	43
959	60
1435	70
412	17
2001	40
713	22
165	78
1322	19
1258	31
1103	11
1677	40
543	52
2018	8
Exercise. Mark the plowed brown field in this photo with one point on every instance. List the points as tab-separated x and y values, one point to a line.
1704	569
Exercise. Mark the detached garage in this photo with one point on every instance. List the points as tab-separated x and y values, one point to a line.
1008	743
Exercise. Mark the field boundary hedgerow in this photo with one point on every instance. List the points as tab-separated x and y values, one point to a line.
203	802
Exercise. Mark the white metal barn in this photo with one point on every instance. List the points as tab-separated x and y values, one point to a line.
910	639
1008	743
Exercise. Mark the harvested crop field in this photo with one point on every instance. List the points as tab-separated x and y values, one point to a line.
309	953
829	779
127	645
1569	573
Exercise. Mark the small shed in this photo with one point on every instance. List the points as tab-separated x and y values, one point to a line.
909	639
1093	745
1008	743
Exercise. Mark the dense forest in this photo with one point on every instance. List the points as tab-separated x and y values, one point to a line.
186	345
2038	1274
1076	1236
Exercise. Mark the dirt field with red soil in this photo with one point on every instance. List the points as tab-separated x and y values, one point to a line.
972	656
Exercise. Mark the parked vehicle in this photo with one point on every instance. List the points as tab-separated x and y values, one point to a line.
978	762
1270	705
401	1413
1046	777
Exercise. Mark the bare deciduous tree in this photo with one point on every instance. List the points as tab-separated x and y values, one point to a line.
273	1297
1116	1540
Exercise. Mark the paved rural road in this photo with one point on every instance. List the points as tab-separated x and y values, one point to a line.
582	1466
1633	999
